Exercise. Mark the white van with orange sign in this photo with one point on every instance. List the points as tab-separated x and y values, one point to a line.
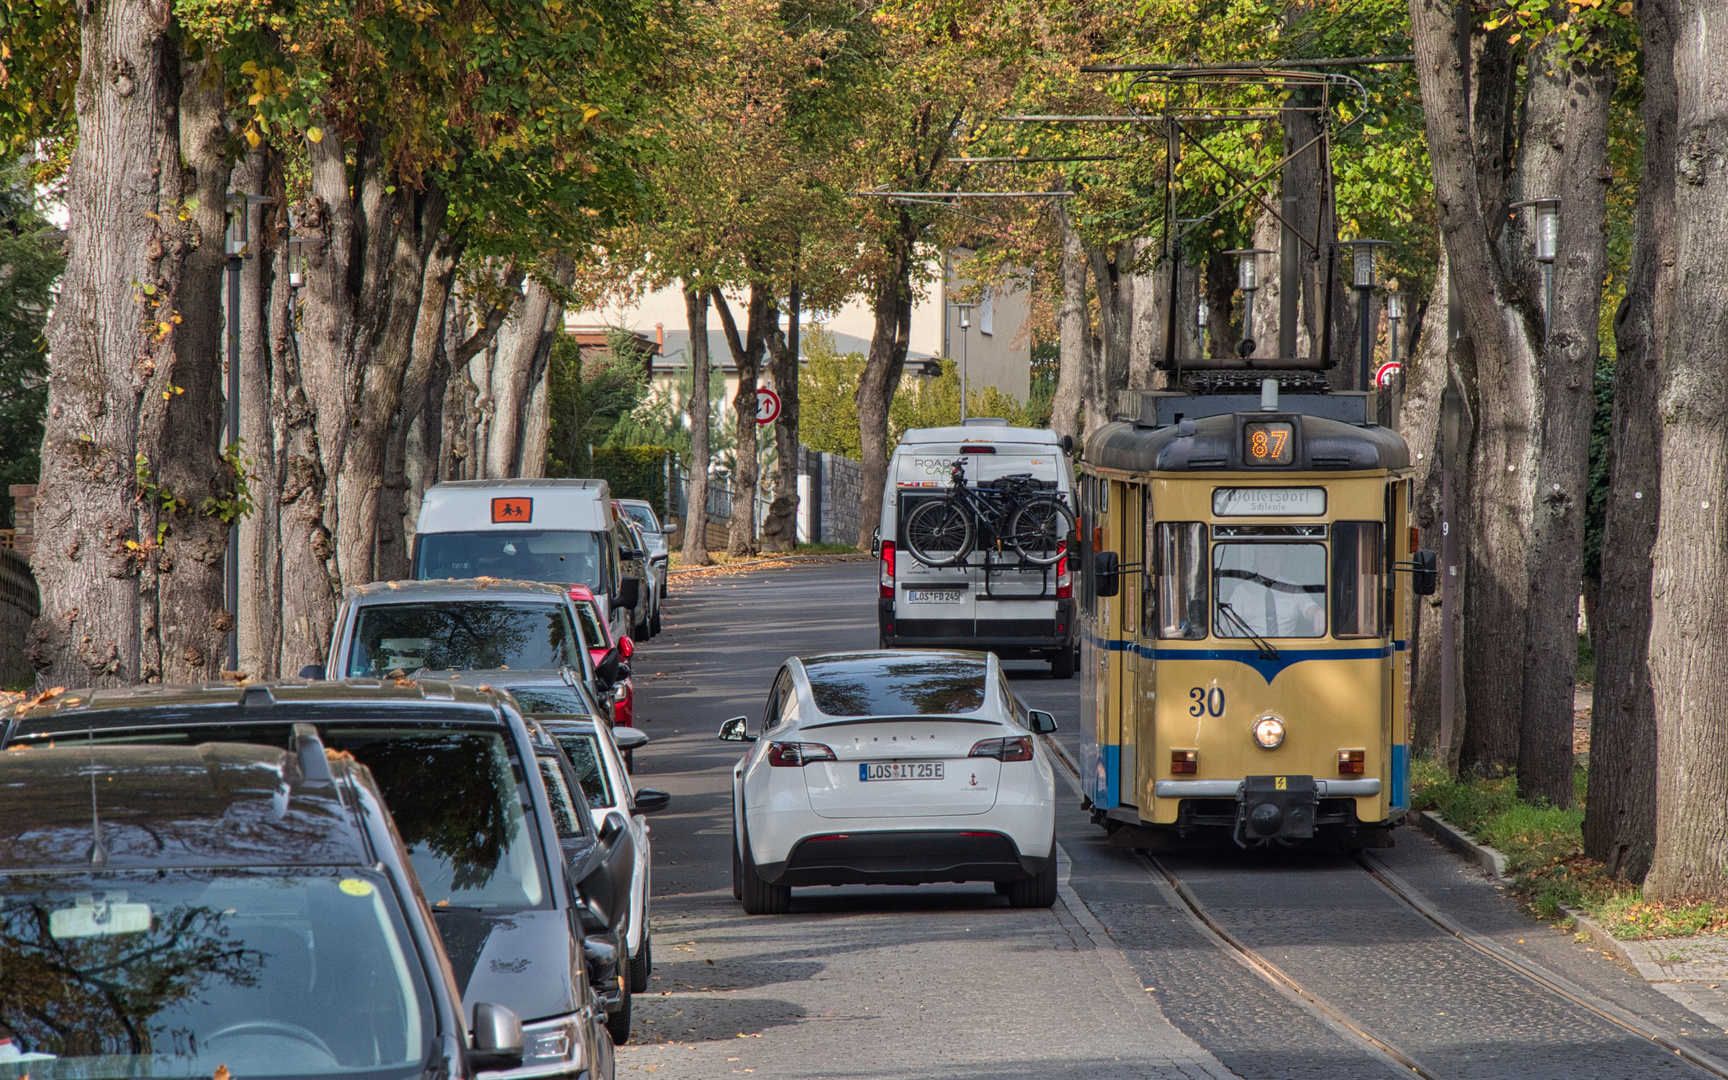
557	531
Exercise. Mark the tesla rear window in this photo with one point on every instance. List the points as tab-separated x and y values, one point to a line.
912	685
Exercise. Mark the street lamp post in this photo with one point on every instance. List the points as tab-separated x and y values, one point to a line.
1248	280
965	341
238	242
1363	280
1547	247
1394	315
1201	317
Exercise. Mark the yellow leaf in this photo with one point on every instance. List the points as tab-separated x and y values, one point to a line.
315	134
1625	9
166	395
1513	40
249	68
589	113
131	545
252	138
255	99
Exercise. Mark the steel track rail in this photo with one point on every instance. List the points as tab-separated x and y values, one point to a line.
1536	973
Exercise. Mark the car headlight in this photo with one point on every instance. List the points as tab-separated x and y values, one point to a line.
1269	731
553	1042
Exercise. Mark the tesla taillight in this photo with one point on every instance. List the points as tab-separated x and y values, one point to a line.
887	570
1018	748
796	755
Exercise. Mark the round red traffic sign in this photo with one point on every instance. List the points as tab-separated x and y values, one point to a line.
767	405
1383	374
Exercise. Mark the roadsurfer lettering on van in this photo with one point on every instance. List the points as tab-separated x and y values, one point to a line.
934	466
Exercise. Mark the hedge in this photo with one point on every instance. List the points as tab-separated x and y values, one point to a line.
635	472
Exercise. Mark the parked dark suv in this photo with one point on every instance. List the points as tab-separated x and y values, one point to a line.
456	769
217	908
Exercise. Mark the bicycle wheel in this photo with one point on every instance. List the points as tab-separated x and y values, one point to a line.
1039	527
939	532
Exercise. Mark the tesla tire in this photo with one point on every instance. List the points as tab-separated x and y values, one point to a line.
1037	891
757	896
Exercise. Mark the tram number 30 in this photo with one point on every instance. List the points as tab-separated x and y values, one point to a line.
1206	702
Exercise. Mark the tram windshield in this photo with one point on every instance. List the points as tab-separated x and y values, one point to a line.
1269	590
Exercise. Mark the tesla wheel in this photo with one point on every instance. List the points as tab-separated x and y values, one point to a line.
1036	891
641	965
759	897
1062	666
939	532
619	1022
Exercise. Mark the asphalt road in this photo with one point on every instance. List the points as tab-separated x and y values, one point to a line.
1115	981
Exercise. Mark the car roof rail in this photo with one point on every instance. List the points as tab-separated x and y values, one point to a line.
308	750
256	697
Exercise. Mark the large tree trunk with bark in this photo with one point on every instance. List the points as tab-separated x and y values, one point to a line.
1689	628
747	353
129	554
1620	809
1574	101
524	348
780	530
1114	280
265	301
890	336
696	487
1069	414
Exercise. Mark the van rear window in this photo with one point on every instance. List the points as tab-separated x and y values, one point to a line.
561	557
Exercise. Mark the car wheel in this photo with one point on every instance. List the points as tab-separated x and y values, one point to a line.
1036	891
1062	667
619	1022
759	897
654	624
641	965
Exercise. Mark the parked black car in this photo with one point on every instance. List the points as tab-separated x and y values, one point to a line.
172	910
455	766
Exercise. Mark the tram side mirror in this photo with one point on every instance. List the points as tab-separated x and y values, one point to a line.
1106	579
1425	575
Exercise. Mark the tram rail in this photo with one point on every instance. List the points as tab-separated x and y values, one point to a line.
1407	896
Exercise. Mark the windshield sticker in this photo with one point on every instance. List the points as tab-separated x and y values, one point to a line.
356	887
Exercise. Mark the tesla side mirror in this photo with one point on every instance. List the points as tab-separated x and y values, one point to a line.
609	829
626	647
1040	722
497	1036
652	800
1105	579
733	730
312	671
1426	576
629	593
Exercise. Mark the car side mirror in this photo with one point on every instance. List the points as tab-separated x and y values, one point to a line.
1425	575
609	829
312	671
610	669
629	553
876	540
669	528
1040	722
1067	444
1106	580
629	593
652	800
733	730
629	738
626	647
497	1035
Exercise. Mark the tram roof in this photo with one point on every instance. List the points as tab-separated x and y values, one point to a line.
1214	444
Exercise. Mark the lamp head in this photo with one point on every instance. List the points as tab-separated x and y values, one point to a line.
1362	261
1248	267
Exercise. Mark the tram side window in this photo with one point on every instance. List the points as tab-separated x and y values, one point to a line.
1182	582
1358	571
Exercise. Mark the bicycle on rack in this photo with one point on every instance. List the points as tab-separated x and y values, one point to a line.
1013	510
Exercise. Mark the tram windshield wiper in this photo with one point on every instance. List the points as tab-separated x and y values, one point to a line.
1267	652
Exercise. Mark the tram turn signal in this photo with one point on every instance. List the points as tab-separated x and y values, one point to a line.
1351	762
1184	761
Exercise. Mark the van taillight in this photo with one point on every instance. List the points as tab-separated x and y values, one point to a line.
887	570
1064	580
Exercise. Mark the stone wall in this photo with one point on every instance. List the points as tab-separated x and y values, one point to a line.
24	518
842	499
19	606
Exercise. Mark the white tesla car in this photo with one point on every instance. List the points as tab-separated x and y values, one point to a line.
893	767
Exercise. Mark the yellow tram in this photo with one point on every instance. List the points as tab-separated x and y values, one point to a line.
1245	624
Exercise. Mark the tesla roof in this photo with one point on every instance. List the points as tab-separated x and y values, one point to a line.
910	683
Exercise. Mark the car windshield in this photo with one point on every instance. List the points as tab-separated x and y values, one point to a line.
549	700
930	684
460	809
583	749
181	973
461	635
563	557
642	516
1269	590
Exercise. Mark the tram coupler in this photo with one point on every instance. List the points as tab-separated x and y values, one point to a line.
1277	808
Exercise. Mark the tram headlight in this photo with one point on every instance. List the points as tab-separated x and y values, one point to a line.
1269	731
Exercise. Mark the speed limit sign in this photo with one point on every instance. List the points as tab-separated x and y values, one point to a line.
767	405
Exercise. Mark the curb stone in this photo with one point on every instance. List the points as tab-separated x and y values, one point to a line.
1462	843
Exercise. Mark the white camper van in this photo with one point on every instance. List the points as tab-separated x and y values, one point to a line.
558	531
994	600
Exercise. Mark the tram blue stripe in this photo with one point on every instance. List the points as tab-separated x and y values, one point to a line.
1400	775
1268	669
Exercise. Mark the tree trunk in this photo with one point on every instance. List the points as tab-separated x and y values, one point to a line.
890	336
1620	810
1068	414
523	349
780	530
1567	403
128	553
265	300
696	489
747	355
1219	288
1149	315
1689	627
1114	281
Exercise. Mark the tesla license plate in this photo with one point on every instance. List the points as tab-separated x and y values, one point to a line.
934	596
900	770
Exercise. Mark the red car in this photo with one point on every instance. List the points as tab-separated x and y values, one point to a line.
599	638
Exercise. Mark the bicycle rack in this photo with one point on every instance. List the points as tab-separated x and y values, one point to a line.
993	565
